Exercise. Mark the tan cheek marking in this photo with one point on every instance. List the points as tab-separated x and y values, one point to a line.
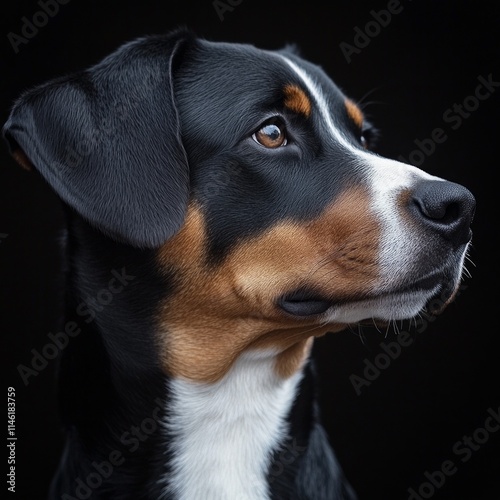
297	100
217	314
293	359
355	114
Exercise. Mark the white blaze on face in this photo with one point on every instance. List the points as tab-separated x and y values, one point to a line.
387	180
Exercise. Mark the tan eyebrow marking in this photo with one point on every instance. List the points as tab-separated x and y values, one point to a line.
355	114
22	159
296	100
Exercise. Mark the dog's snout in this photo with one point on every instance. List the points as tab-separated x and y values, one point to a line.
445	207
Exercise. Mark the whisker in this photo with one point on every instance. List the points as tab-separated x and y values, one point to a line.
375	325
466	272
362	103
387	329
468	259
361	334
398	327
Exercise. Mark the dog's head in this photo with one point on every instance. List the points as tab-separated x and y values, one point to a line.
250	175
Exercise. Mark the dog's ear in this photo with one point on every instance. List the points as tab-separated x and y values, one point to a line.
108	141
291	48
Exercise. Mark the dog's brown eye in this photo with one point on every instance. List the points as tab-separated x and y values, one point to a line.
368	136
272	134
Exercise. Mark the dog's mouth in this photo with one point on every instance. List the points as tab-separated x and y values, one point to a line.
308	302
304	302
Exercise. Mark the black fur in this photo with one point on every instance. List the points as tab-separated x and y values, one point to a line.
126	144
110	134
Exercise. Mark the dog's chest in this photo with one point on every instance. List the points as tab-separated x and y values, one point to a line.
222	435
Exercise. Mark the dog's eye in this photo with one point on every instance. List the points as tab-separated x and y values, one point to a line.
368	136
272	134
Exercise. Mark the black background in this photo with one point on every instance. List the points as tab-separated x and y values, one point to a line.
428	58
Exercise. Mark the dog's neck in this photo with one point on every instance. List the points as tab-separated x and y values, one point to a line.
177	438
163	434
223	434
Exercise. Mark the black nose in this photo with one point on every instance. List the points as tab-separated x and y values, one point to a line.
445	207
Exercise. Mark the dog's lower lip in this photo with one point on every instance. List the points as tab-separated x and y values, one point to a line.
308	303
302	303
427	283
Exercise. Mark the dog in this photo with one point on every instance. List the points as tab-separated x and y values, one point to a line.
224	209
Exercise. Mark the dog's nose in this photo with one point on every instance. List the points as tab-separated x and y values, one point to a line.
446	208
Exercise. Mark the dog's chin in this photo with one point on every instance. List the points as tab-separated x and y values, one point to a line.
429	295
379	310
400	304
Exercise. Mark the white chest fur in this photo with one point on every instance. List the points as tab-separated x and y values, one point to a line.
224	433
